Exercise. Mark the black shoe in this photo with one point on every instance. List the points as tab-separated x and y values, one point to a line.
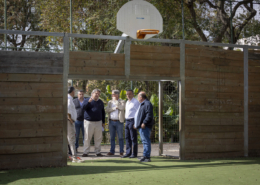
132	156
99	155
125	156
145	159
85	155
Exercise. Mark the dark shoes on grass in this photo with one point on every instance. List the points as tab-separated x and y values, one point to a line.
130	156
99	155
125	156
145	159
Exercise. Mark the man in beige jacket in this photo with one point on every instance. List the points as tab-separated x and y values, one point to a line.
116	114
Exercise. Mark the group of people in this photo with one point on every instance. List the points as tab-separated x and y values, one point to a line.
89	114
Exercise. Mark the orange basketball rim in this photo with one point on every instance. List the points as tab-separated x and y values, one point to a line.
140	34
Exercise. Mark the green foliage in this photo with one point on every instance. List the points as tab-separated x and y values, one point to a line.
123	95
136	91
169	112
104	98
108	88
155	102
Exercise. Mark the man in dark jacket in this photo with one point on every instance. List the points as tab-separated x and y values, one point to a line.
78	102
94	119
144	123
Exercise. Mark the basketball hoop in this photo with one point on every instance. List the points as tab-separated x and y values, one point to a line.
140	34
139	19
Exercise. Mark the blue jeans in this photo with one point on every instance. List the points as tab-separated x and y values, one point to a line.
79	125
116	126
145	137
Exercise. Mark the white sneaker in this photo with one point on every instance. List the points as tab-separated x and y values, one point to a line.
79	161
74	160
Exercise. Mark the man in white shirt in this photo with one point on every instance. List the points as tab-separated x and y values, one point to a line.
132	106
72	116
116	113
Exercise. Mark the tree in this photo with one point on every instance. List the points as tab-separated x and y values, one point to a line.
213	17
21	15
172	20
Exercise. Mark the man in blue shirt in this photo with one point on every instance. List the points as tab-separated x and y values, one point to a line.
144	123
94	119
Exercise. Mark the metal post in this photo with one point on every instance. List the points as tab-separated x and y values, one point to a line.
231	26
132	85
160	118
182	12
65	94
127	56
245	101
71	24
182	101
5	21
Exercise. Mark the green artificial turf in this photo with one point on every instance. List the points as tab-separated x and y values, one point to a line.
160	171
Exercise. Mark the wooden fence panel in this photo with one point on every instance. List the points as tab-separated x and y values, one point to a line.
96	63
31	109
214	106
161	61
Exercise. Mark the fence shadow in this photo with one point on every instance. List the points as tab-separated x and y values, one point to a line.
118	166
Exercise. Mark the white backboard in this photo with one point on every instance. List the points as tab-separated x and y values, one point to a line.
136	15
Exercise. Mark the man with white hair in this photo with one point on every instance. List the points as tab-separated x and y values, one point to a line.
116	113
94	119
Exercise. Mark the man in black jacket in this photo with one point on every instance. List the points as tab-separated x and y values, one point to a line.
78	102
144	123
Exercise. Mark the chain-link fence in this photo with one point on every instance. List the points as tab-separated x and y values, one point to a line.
204	20
170	105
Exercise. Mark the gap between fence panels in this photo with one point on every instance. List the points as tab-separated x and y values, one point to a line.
169	108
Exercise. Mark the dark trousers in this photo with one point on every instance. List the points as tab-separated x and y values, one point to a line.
131	138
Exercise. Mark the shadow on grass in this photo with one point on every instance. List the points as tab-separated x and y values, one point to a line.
118	166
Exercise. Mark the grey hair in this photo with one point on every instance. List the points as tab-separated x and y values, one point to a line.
96	90
115	92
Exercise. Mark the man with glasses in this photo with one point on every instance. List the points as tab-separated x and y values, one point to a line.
116	114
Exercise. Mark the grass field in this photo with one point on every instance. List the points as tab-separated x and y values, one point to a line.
160	171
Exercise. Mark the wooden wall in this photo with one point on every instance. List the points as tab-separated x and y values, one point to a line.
31	111
214	95
161	61
254	103
96	63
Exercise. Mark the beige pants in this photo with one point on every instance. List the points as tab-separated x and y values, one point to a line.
90	128
71	138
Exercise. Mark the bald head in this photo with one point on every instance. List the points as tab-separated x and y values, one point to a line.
142	96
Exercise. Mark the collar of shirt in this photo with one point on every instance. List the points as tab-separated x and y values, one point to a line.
70	97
